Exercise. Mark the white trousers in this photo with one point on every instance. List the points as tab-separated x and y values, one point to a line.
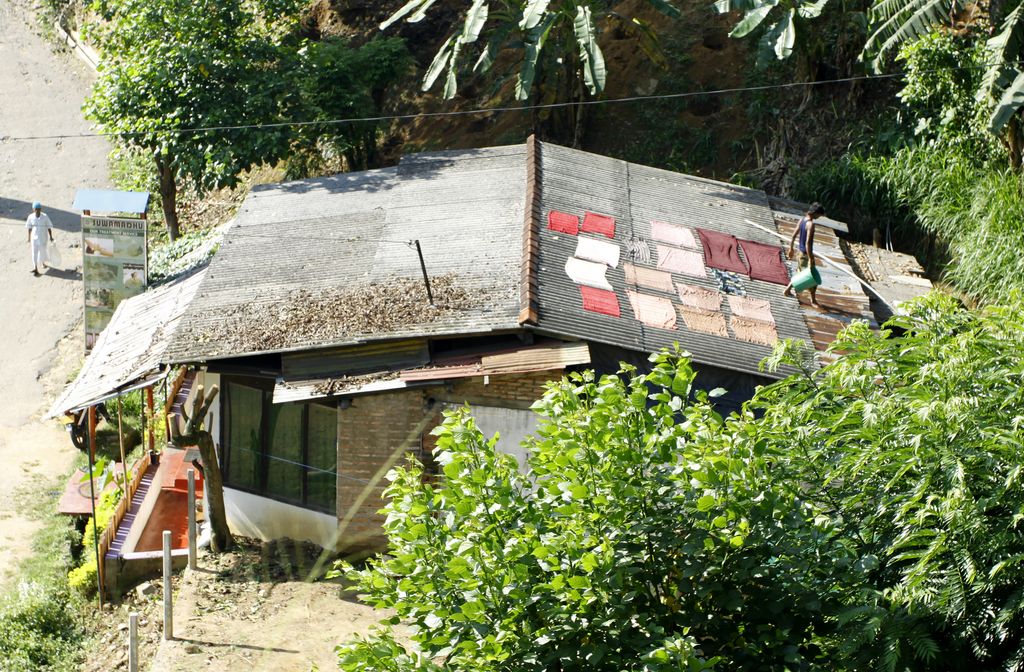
39	252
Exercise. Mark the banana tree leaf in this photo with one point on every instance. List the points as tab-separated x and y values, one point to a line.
726	6
533	13
437	66
494	46
648	41
811	10
1002	50
594	73
450	83
751	21
779	38
420	13
403	12
526	73
666	8
476	17
1008	105
902	21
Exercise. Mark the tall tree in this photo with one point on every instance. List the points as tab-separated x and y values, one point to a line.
176	72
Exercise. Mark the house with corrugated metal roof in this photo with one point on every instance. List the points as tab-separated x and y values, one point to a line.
342	315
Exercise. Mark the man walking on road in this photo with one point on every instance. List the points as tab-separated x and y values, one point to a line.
36	223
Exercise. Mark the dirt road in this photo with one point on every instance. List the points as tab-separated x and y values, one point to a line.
42	95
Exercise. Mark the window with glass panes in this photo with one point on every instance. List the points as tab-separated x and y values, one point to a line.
286	452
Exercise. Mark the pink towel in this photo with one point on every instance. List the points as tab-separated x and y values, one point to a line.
765	262
698	297
600	301
721	250
563	222
754	309
603	224
687	262
654	311
648	277
672	234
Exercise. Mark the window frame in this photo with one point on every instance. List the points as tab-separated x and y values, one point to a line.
266	388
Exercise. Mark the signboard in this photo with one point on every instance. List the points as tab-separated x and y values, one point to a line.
113	267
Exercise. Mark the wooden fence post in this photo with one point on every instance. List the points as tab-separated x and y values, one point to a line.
191	518
168	606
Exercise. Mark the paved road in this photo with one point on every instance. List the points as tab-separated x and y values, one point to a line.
42	95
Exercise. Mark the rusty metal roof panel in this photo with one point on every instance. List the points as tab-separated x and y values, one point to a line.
325	262
576	182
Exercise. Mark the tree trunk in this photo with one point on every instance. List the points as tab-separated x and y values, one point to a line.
168	195
213	482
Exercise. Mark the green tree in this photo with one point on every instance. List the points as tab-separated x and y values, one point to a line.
865	515
335	81
911	446
645	538
556	41
175	71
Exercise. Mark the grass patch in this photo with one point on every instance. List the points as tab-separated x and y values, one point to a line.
41	620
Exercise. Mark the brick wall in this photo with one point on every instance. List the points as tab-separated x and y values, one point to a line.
373	431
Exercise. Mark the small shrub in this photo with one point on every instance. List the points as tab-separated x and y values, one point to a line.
83	578
38	629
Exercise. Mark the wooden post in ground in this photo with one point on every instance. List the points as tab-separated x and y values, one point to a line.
152	418
120	443
191	518
168	606
133	642
91	414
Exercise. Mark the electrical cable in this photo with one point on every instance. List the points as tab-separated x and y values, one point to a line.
474	111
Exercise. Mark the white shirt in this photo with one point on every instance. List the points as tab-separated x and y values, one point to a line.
38	224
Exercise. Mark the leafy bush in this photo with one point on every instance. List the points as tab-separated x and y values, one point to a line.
861	516
188	251
83	578
38	629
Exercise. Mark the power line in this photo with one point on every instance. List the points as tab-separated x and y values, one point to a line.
462	113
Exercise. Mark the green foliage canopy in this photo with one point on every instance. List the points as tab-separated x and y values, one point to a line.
862	516
184	65
551	36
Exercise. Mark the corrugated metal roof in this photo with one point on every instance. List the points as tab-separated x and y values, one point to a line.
345	233
132	346
841	297
576	182
109	200
481	218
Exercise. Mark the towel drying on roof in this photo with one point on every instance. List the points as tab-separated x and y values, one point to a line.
765	262
721	250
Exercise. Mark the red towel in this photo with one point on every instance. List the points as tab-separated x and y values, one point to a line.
600	301
563	223
765	262
603	224
721	251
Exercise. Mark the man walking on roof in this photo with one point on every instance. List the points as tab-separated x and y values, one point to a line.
36	223
804	238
